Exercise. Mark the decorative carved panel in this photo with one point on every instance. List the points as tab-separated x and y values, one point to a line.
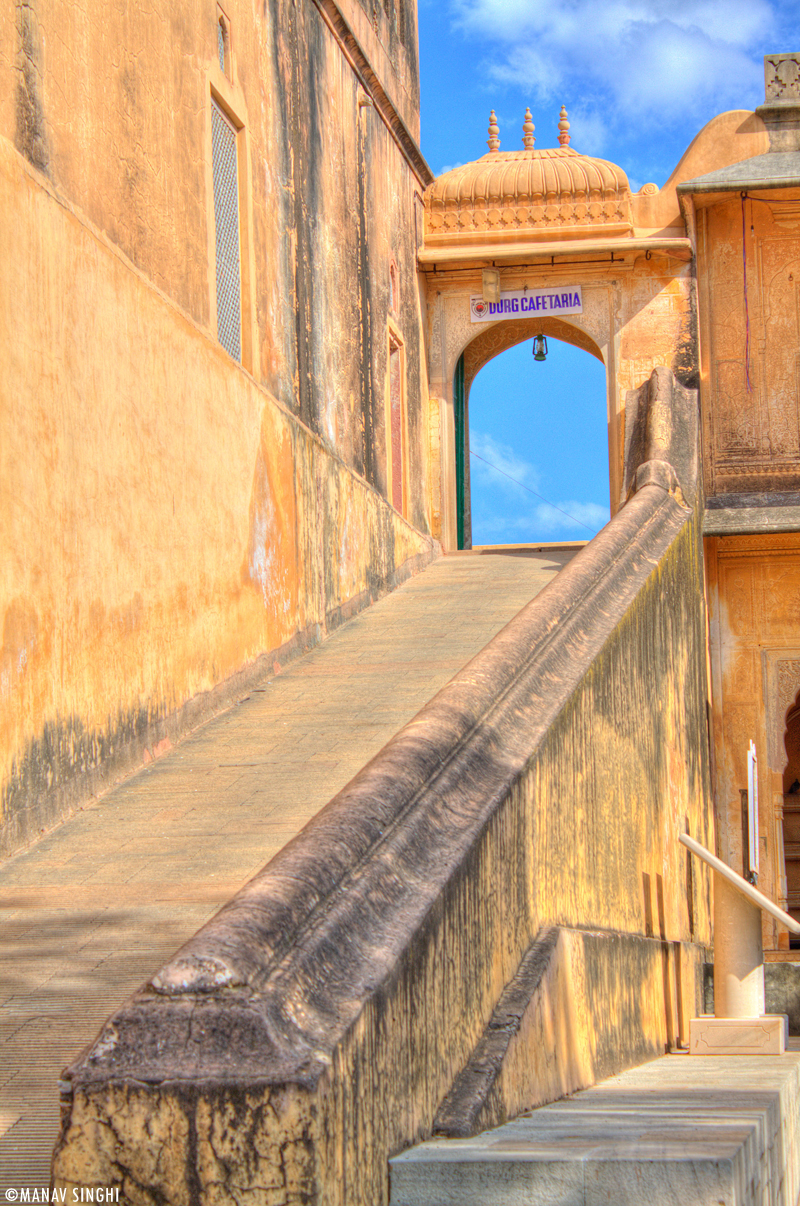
737	424
780	272
755	431
782	77
736	587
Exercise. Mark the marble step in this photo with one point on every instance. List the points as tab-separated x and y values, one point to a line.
698	1131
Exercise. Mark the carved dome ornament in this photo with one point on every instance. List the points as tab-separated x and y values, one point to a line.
509	196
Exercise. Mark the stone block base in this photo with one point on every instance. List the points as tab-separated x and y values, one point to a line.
739	1036
696	1132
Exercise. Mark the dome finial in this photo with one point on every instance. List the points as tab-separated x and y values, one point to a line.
563	128
493	141
527	131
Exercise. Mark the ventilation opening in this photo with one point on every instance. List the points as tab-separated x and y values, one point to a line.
226	222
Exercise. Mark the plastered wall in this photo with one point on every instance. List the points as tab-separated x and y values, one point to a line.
169	516
112	103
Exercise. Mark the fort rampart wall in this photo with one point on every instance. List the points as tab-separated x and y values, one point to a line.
175	519
170	528
314	1027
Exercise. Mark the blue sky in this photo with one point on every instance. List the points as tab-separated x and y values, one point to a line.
639	79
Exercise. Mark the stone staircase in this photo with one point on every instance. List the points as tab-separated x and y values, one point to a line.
95	907
699	1131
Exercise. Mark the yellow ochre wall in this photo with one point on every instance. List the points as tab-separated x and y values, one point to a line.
173	522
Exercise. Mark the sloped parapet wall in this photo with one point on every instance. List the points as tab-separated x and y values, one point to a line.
550	1036
314	1027
661	442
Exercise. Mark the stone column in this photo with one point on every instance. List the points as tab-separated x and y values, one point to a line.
738	954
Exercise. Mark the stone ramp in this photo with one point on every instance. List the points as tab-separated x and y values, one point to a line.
693	1130
99	904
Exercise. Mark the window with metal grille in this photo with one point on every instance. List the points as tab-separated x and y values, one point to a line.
226	222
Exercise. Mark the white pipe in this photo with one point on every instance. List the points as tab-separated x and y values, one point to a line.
740	883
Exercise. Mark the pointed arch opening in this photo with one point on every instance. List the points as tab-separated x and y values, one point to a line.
791	810
531	440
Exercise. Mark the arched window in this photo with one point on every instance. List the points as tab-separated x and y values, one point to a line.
224	43
394	294
791	808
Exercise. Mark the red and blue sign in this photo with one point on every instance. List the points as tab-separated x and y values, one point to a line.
521	303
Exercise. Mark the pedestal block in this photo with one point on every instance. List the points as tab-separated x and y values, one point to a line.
739	1036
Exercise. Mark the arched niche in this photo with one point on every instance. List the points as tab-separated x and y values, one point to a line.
791	806
791	746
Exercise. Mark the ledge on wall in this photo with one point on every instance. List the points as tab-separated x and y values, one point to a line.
751	514
528	252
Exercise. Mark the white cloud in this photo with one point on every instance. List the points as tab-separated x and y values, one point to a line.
591	515
539	522
629	59
497	465
523	516
589	131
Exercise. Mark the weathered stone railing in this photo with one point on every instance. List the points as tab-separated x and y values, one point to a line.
317	1023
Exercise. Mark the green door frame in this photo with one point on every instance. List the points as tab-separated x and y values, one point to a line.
461	447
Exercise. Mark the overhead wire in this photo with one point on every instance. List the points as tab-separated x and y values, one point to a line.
746	307
541	497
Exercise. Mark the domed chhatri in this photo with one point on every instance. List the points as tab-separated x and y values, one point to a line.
529	193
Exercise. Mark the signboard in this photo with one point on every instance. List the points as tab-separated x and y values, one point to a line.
752	808
525	303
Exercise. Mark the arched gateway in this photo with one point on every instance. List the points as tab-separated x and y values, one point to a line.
550	241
